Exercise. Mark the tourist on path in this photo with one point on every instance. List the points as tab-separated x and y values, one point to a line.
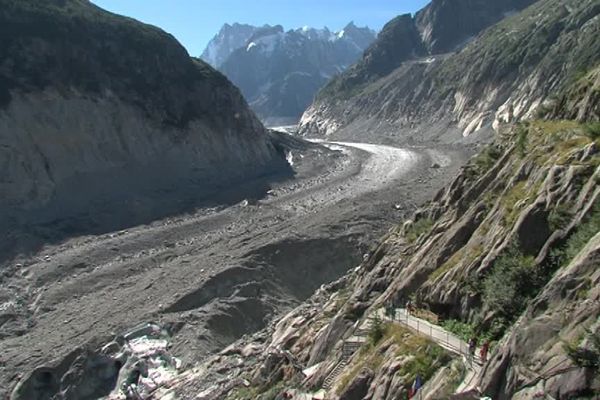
472	347
484	351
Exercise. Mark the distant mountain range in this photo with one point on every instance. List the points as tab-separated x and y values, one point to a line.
279	72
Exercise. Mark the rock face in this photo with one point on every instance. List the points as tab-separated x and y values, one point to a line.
508	253
91	100
280	72
458	68
229	39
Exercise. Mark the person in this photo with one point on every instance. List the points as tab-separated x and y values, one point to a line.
484	351
472	347
409	307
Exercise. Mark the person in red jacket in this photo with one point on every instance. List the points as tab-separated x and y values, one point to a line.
484	351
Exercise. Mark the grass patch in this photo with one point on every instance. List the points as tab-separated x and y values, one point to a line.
517	194
465	254
425	359
418	228
592	130
585	356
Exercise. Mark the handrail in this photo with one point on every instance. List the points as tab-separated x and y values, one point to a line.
439	334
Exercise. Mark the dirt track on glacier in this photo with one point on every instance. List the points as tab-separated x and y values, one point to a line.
216	273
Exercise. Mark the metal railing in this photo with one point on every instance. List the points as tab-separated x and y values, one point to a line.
435	332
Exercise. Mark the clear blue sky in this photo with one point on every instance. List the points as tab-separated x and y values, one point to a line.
195	22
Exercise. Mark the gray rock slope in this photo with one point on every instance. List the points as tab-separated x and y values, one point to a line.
280	72
459	69
101	110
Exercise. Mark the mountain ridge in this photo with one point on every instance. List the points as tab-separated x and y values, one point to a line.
445	97
84	104
279	71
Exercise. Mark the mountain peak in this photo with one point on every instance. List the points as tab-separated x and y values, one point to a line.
230	38
350	25
280	71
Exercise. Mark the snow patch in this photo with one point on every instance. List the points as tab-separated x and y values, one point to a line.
290	158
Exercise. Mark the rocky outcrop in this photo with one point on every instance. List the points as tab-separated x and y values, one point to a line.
565	313
91	101
581	102
462	77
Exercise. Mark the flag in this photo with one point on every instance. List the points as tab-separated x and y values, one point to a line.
415	387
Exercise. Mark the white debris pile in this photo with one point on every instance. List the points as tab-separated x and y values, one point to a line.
148	365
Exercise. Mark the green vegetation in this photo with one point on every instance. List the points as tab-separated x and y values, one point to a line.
466	331
559	217
592	130
425	356
428	357
418	228
586	356
376	330
561	256
465	254
522	140
483	161
512	281
461	329
515	196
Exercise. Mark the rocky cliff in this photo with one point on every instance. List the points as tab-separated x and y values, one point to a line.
101	110
459	69
279	72
229	39
507	253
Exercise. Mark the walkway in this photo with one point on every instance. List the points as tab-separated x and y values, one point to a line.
446	340
436	333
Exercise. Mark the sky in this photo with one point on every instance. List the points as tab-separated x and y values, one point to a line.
195	22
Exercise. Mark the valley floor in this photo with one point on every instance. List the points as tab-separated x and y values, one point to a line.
218	273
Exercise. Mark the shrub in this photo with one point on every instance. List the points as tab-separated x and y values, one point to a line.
466	331
461	329
522	140
583	234
586	357
377	330
559	217
592	130
511	282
